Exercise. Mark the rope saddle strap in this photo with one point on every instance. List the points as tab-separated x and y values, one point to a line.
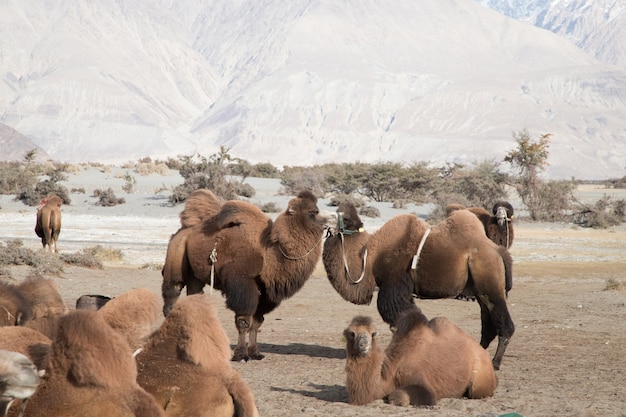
295	258
416	257
213	258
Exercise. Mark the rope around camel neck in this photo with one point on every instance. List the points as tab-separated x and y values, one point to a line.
345	263
300	257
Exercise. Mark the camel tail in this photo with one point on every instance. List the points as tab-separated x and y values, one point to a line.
508	268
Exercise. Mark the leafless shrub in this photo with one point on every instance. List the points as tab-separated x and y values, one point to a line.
107	197
369	211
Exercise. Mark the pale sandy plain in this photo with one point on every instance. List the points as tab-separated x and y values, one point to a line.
567	357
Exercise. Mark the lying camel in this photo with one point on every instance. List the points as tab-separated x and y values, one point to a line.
498	226
424	362
185	365
18	378
46	304
134	314
15	310
408	258
48	224
31	343
91	372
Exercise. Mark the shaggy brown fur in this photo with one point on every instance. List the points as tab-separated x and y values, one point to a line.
134	315
424	362
18	378
457	260
48	224
29	342
46	304
498	226
15	310
257	263
185	365
91	372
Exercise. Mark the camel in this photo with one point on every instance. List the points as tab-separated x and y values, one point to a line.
424	362
406	257
134	314
15	310
185	365
48	224
18	378
498	226
31	343
91	372
254	262
46	304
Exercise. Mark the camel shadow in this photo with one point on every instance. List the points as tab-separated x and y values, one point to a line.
314	351
328	393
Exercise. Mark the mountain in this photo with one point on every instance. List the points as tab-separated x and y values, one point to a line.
304	82
595	26
15	146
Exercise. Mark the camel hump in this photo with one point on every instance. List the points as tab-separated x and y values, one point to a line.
235	213
452	207
53	200
201	205
410	319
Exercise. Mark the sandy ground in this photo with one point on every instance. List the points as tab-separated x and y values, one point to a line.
567	357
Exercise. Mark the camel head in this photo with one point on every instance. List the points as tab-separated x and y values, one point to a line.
360	336
503	211
18	376
305	204
348	221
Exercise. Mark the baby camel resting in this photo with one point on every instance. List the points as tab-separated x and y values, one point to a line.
91	373
425	361
185	365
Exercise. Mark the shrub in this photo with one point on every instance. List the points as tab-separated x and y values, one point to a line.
270	207
345	198
369	211
107	198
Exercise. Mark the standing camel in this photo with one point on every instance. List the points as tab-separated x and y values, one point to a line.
498	224
406	258
254	262
48	224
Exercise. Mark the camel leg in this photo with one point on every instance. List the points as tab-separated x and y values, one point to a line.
243	324
48	236
253	348
496	320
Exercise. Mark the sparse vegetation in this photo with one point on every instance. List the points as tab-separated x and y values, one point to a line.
270	207
129	183
107	198
613	284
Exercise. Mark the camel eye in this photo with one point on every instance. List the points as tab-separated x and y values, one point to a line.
314	213
350	334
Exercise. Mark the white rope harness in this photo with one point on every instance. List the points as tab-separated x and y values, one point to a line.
416	257
300	257
213	258
345	263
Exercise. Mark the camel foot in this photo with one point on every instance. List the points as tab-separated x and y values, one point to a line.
240	354
256	356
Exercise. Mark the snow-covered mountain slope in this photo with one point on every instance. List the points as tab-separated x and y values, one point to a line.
304	82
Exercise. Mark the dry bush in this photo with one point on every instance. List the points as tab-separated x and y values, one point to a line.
105	254
270	207
336	200
152	266
369	211
43	262
81	259
613	284
107	198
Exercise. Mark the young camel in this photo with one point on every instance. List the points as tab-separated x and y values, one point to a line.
18	378
91	372
185	365
424	362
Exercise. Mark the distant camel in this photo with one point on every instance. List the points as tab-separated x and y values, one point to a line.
18	378
48	224
185	365
254	262
498	226
91	372
424	362
406	258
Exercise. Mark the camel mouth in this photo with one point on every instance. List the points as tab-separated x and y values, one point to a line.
501	216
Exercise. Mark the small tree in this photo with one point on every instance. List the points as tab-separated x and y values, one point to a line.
530	158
